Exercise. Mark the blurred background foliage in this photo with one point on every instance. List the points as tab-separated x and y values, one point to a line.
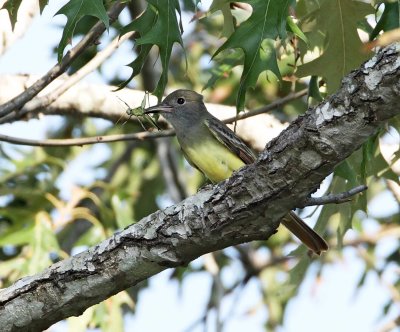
241	53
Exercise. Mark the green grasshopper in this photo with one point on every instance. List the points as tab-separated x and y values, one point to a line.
139	112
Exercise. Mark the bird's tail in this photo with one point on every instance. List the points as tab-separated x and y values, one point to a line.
304	233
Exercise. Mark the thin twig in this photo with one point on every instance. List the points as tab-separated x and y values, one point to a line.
335	198
49	98
94	33
87	140
267	108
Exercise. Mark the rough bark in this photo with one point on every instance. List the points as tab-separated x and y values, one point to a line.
246	207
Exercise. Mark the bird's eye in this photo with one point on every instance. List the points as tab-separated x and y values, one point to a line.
180	101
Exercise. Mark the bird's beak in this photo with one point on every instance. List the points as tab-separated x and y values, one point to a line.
160	108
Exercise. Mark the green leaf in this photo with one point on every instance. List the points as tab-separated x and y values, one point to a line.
108	315
75	10
380	168
336	214
296	30
346	171
17	237
164	34
143	24
256	38
80	324
337	19
395	123
225	8
373	163
304	7
123	211
12	7
389	20
13	269
313	91
354	171
43	243
368	152
298	272
224	68
190	5
345	222
91	237
365	26
160	27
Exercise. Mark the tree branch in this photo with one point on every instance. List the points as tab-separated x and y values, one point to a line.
100	101
17	102
46	100
244	208
268	108
335	198
87	140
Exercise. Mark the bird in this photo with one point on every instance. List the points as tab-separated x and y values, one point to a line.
215	150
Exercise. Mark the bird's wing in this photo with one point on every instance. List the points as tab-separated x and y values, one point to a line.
227	137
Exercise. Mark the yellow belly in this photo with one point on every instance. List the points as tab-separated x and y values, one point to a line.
215	160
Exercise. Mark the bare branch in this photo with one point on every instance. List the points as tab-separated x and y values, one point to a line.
44	101
343	197
17	102
86	140
100	101
268	108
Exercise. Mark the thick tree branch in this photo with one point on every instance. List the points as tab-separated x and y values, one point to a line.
245	207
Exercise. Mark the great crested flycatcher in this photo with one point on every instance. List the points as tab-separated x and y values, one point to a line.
215	150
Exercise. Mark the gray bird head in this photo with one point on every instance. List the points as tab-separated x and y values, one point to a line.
181	108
